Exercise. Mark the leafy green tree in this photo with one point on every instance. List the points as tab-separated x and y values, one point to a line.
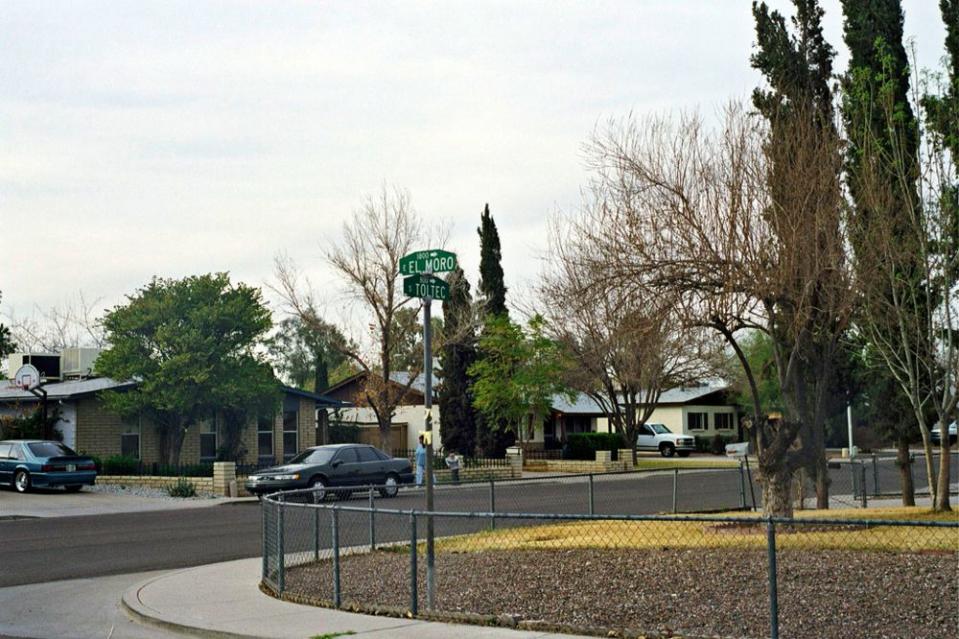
306	353
518	376
408	354
458	353
191	346
492	288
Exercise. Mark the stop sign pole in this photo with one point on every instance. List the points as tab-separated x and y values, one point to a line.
419	268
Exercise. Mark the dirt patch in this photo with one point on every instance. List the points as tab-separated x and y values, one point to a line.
696	592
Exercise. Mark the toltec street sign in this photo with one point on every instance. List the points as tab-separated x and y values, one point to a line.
426	286
432	261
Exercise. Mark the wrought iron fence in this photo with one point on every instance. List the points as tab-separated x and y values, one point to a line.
439	461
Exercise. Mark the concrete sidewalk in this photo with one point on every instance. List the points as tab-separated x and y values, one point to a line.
224	601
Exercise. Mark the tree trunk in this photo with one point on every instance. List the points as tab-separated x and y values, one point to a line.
170	438
777	483
385	444
822	482
905	472
942	496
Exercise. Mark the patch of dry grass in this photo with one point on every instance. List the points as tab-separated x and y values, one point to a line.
697	534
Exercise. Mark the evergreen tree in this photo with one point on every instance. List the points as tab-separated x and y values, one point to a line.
6	340
457	417
492	289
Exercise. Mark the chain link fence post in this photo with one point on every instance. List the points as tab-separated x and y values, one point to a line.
862	481
675	487
855	479
414	605
875	476
773	590
592	506
266	546
492	503
742	486
372	521
280	552
334	512
316	533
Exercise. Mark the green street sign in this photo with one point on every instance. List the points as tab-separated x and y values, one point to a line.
432	261
426	286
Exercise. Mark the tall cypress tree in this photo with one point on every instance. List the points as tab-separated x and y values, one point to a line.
491	286
457	416
880	126
493	439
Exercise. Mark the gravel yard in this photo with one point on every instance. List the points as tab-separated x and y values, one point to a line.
694	593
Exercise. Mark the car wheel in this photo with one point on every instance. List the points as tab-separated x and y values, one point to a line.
683	453
73	489
391	486
667	450
318	486
21	481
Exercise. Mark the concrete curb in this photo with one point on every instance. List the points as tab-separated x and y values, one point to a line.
140	613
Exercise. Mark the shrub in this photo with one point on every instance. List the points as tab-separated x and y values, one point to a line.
120	465
182	488
584	445
340	433
715	444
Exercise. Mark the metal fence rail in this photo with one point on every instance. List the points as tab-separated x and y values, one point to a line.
728	575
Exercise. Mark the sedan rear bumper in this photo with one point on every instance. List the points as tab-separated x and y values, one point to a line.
77	478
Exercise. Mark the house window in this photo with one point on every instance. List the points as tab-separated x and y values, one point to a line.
264	437
208	439
723	421
697	421
130	440
290	437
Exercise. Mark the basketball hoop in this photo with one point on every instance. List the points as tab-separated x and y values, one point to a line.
27	377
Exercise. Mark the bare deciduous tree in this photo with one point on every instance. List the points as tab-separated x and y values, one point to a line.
627	346
381	232
75	322
907	226
748	234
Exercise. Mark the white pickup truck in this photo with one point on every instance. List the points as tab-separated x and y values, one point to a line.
658	437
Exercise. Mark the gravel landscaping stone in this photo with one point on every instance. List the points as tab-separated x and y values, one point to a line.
142	491
667	592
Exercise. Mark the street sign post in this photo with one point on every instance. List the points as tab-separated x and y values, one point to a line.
432	261
428	286
419	281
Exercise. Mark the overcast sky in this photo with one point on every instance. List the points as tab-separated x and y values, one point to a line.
176	138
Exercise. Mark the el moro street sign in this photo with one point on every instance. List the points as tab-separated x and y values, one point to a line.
432	261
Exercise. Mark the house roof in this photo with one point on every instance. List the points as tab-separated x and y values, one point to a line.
69	389
74	389
322	401
582	404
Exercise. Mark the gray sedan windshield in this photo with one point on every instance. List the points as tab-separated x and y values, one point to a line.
316	456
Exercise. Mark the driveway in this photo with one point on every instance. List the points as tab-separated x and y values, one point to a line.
56	503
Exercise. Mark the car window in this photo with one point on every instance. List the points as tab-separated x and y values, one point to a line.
645	430
50	449
660	429
313	456
366	454
346	455
381	454
4	451
16	453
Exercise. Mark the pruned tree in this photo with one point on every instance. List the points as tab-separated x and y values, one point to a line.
741	246
382	231
75	322
626	346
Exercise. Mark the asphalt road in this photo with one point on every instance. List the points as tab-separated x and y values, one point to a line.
41	550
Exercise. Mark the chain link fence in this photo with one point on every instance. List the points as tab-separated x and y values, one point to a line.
593	571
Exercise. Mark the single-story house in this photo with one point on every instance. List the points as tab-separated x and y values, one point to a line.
408	419
89	427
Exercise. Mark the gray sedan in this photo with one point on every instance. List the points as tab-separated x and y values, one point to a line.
339	466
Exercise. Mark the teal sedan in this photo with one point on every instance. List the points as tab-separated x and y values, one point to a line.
34	463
